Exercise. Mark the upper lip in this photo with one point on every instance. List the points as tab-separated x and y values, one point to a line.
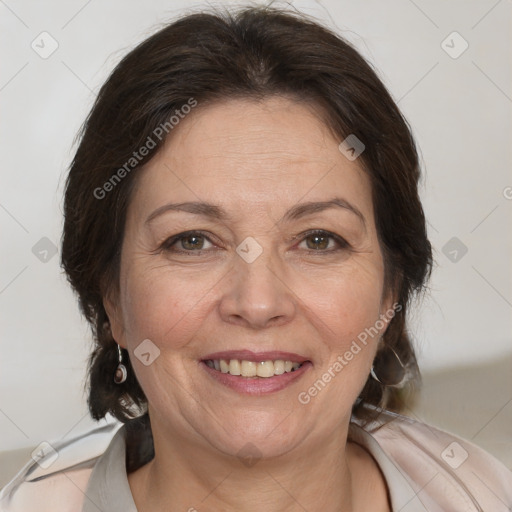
256	357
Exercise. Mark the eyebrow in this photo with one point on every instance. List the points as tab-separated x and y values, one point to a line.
296	212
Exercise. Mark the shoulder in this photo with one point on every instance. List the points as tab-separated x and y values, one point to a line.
445	468
56	478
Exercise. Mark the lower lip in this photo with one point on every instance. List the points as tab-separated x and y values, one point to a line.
257	385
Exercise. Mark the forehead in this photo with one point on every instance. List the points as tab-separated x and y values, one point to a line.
252	154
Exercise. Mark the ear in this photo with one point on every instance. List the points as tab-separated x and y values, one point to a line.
389	306
115	317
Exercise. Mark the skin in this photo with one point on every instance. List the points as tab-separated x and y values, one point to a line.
297	296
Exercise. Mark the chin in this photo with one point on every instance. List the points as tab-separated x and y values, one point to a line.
256	434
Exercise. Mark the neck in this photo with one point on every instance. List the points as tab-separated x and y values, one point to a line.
186	476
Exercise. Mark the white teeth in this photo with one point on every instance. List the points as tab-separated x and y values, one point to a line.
224	366
278	367
265	369
234	367
248	369
245	368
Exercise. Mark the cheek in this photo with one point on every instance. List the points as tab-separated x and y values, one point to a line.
164	305
346	302
345	310
349	343
168	308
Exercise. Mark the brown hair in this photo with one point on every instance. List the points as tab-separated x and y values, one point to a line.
250	53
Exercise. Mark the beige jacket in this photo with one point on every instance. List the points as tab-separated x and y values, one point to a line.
426	469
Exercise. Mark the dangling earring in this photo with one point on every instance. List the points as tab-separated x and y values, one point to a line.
121	372
389	370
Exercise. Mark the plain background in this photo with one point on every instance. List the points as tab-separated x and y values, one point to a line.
459	108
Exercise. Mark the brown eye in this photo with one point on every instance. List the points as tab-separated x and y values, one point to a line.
191	242
318	242
323	241
188	242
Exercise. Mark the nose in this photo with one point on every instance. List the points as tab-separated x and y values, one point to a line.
257	294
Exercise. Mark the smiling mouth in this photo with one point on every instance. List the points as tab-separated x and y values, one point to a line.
248	369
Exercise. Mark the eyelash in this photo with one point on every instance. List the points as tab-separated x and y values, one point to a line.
170	242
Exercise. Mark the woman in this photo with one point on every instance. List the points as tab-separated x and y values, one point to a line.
244	233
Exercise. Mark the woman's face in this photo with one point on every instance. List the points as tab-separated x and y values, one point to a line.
250	281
